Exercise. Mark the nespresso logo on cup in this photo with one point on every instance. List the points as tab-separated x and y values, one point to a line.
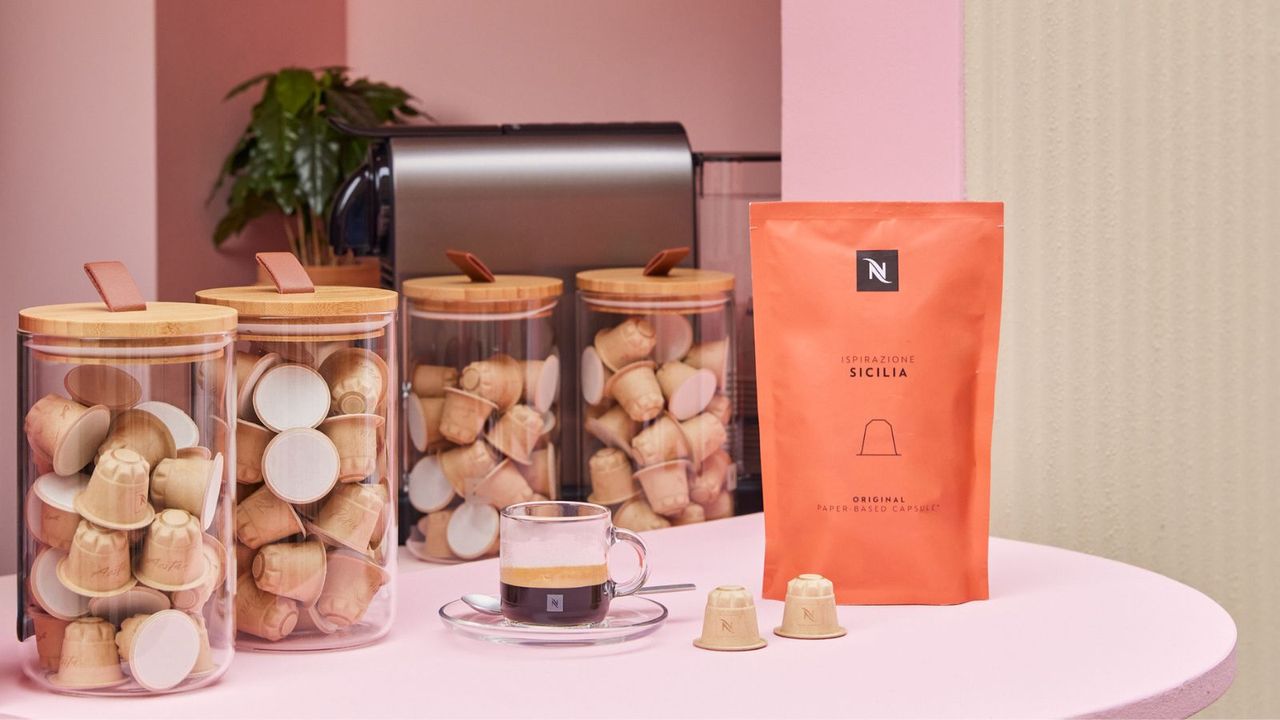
877	271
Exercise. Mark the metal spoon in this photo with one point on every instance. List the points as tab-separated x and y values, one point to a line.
492	606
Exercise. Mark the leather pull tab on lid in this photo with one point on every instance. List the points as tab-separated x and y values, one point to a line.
286	272
661	264
115	286
470	265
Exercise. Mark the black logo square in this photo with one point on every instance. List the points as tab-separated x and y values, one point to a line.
877	271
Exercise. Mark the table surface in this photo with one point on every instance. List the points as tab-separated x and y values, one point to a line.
1064	634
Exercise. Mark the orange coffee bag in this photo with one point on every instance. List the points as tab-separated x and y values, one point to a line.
876	327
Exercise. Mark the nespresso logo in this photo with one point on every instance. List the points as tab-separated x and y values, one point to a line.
877	271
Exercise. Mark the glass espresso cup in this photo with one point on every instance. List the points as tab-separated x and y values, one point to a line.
554	563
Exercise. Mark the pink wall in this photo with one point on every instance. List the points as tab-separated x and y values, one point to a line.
203	49
77	168
712	64
872	99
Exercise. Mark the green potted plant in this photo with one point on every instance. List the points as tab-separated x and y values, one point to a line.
290	159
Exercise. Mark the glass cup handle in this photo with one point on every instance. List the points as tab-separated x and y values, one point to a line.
636	582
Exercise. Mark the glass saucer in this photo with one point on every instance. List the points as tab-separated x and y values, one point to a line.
629	618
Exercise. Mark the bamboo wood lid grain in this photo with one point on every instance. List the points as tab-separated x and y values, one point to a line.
633	281
460	288
94	320
327	301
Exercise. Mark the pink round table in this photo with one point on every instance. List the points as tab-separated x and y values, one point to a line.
1064	635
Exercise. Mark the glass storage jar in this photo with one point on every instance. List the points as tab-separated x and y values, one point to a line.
656	438
124	473
315	372
482	408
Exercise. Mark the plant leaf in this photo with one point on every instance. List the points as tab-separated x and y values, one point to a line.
317	159
277	134
246	85
351	107
293	88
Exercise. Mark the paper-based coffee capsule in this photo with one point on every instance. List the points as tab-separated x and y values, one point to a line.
292	570
161	648
422	416
384	514
262	518
184	430
143	433
117	495
713	356
51	514
636	389
729	621
541	382
466	465
429	489
504	486
659	442
614	428
249	370
625	343
349	516
300	465
244	558
711	477
637	516
290	352
137	600
195	452
204	658
89	658
429	381
49	635
42	462
357	378
464	416
356	438
48	591
172	554
472	530
810	612
216	559
351	582
666	486
719	507
251	443
500	380
688	390
192	485
706	434
722	408
262	614
66	432
611	478
516	432
291	396
593	376
674	337
542	470
103	385
435	528
692	513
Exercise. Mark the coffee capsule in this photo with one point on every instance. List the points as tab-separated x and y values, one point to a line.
182	428
161	648
98	563
262	614
810	612
192	600
593	376
429	489
195	452
692	513
249	370
349	516
48	591
516	432
116	495
244	558
713	356
636	389
143	433
464	416
351	582
357	378
541	382
262	518
103	385
65	432
356	438
204	657
384	513
614	428
706	434
51	512
666	486
89	658
466	465
172	553
711	478
251	443
541	471
192	485
611	478
625	343
688	390
301	465
472	530
429	381
137	600
729	621
290	352
636	515
720	507
49	634
722	408
673	337
659	442
504	486
292	570
500	380
291	396
435	528
43	463
422	416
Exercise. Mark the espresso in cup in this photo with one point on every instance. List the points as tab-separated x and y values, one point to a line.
554	563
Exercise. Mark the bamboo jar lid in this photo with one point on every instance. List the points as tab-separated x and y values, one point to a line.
677	282
325	301
94	320
460	289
